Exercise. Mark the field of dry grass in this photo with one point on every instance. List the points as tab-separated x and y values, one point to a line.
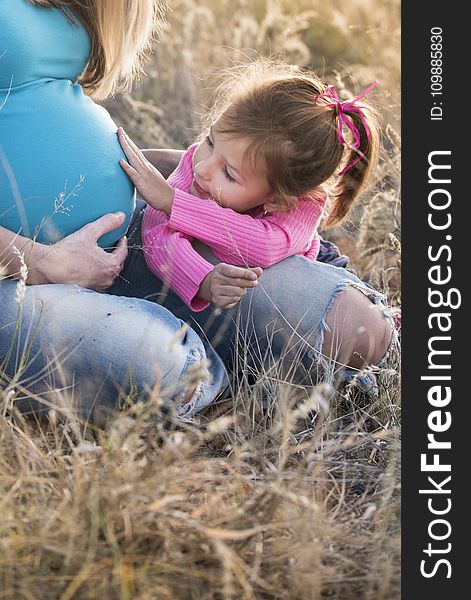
276	493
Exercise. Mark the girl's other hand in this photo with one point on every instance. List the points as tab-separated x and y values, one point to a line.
78	259
227	284
148	180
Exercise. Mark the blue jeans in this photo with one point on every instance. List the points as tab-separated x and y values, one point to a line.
77	349
96	349
279	326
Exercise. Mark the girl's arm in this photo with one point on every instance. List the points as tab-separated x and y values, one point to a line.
170	255
75	259
241	239
172	258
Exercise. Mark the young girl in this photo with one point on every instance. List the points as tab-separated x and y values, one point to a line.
252	190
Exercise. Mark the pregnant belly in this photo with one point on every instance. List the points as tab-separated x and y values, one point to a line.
59	163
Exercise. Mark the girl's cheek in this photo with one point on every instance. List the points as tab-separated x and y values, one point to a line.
219	193
198	155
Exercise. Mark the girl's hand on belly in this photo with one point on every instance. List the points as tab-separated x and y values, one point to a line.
149	181
78	259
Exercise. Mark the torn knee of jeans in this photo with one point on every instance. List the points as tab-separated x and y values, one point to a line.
196	378
348	351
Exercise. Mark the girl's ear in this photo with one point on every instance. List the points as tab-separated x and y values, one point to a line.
277	204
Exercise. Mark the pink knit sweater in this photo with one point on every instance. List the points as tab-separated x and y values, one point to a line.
255	239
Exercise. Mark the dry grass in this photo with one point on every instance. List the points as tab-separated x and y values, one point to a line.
296	500
357	41
299	501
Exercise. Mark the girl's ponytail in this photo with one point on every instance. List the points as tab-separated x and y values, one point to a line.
362	153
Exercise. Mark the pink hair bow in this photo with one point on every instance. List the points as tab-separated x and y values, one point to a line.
345	119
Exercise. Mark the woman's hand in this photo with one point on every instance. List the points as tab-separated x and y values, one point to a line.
148	180
78	259
226	284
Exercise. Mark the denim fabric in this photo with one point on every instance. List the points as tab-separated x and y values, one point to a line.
281	322
96	349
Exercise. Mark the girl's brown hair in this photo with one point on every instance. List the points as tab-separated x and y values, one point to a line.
121	31
276	107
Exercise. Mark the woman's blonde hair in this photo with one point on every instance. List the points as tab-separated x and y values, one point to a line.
278	108
121	32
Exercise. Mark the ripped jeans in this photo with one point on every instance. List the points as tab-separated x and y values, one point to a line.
77	350
281	323
94	350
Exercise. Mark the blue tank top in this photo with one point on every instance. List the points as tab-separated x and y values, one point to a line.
59	153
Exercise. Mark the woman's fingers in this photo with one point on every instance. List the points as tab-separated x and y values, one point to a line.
103	266
121	251
78	259
115	261
103	225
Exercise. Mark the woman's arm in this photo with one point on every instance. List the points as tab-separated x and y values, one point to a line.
75	259
10	260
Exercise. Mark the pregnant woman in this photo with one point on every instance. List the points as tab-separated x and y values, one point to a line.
62	186
59	172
